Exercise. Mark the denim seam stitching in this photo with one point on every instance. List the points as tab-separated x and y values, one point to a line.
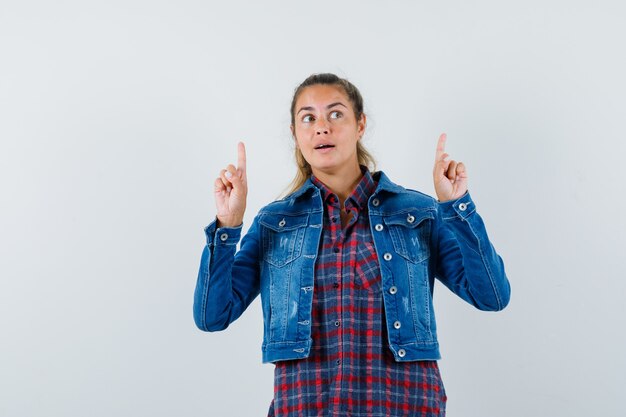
205	295
489	273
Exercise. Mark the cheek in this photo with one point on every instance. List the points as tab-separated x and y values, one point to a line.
302	136
298	143
299	133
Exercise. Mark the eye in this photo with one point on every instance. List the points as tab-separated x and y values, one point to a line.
337	113
307	118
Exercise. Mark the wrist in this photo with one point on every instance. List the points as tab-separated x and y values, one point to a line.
228	221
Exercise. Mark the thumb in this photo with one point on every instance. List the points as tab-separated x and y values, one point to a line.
238	182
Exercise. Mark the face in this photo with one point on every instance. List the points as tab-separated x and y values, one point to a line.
326	129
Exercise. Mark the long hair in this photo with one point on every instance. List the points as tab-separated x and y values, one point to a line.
364	157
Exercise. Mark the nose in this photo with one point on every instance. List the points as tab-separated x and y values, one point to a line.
321	127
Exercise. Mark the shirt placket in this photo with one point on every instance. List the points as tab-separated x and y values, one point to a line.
336	237
345	263
348	275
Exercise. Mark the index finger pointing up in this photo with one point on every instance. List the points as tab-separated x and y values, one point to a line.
241	157
441	146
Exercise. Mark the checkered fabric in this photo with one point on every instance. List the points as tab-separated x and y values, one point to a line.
351	371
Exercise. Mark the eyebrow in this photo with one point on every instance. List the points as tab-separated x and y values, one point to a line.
328	107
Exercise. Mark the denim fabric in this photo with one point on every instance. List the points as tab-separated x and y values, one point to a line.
416	238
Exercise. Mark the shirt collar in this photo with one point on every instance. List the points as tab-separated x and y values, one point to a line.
359	196
383	184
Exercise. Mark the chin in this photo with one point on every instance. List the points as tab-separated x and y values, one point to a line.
324	165
328	169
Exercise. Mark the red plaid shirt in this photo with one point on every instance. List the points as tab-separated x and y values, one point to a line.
351	371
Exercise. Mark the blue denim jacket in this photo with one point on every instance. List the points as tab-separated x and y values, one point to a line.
417	239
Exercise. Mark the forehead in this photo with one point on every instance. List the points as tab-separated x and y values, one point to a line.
321	94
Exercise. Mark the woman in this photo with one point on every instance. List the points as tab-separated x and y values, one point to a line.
345	265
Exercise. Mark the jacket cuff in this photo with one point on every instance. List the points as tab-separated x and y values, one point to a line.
461	207
223	235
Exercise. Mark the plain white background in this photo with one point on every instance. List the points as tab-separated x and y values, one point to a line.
116	116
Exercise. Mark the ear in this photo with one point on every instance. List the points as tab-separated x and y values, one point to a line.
361	125
293	136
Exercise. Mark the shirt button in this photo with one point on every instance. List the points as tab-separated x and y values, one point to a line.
334	220
378	227
396	324
224	237
401	353
336	285
336	249
393	290
462	206
387	256
375	202
338	361
337	323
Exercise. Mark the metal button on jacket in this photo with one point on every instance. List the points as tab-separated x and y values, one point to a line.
375	202
401	353
378	227
393	290
397	324
282	223
462	206
223	237
410	218
387	256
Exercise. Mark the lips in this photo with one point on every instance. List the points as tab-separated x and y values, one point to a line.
324	146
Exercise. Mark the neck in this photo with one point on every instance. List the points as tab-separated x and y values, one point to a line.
341	182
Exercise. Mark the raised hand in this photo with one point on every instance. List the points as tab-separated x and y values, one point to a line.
450	177
231	190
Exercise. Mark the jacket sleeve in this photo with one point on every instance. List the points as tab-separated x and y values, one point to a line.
467	262
228	280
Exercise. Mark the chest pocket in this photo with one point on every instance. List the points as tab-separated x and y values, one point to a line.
410	234
283	237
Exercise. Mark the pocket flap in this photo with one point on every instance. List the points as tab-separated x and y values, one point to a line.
284	222
410	218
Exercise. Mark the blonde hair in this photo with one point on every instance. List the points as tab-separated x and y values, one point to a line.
303	168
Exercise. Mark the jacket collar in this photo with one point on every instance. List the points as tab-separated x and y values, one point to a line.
384	184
